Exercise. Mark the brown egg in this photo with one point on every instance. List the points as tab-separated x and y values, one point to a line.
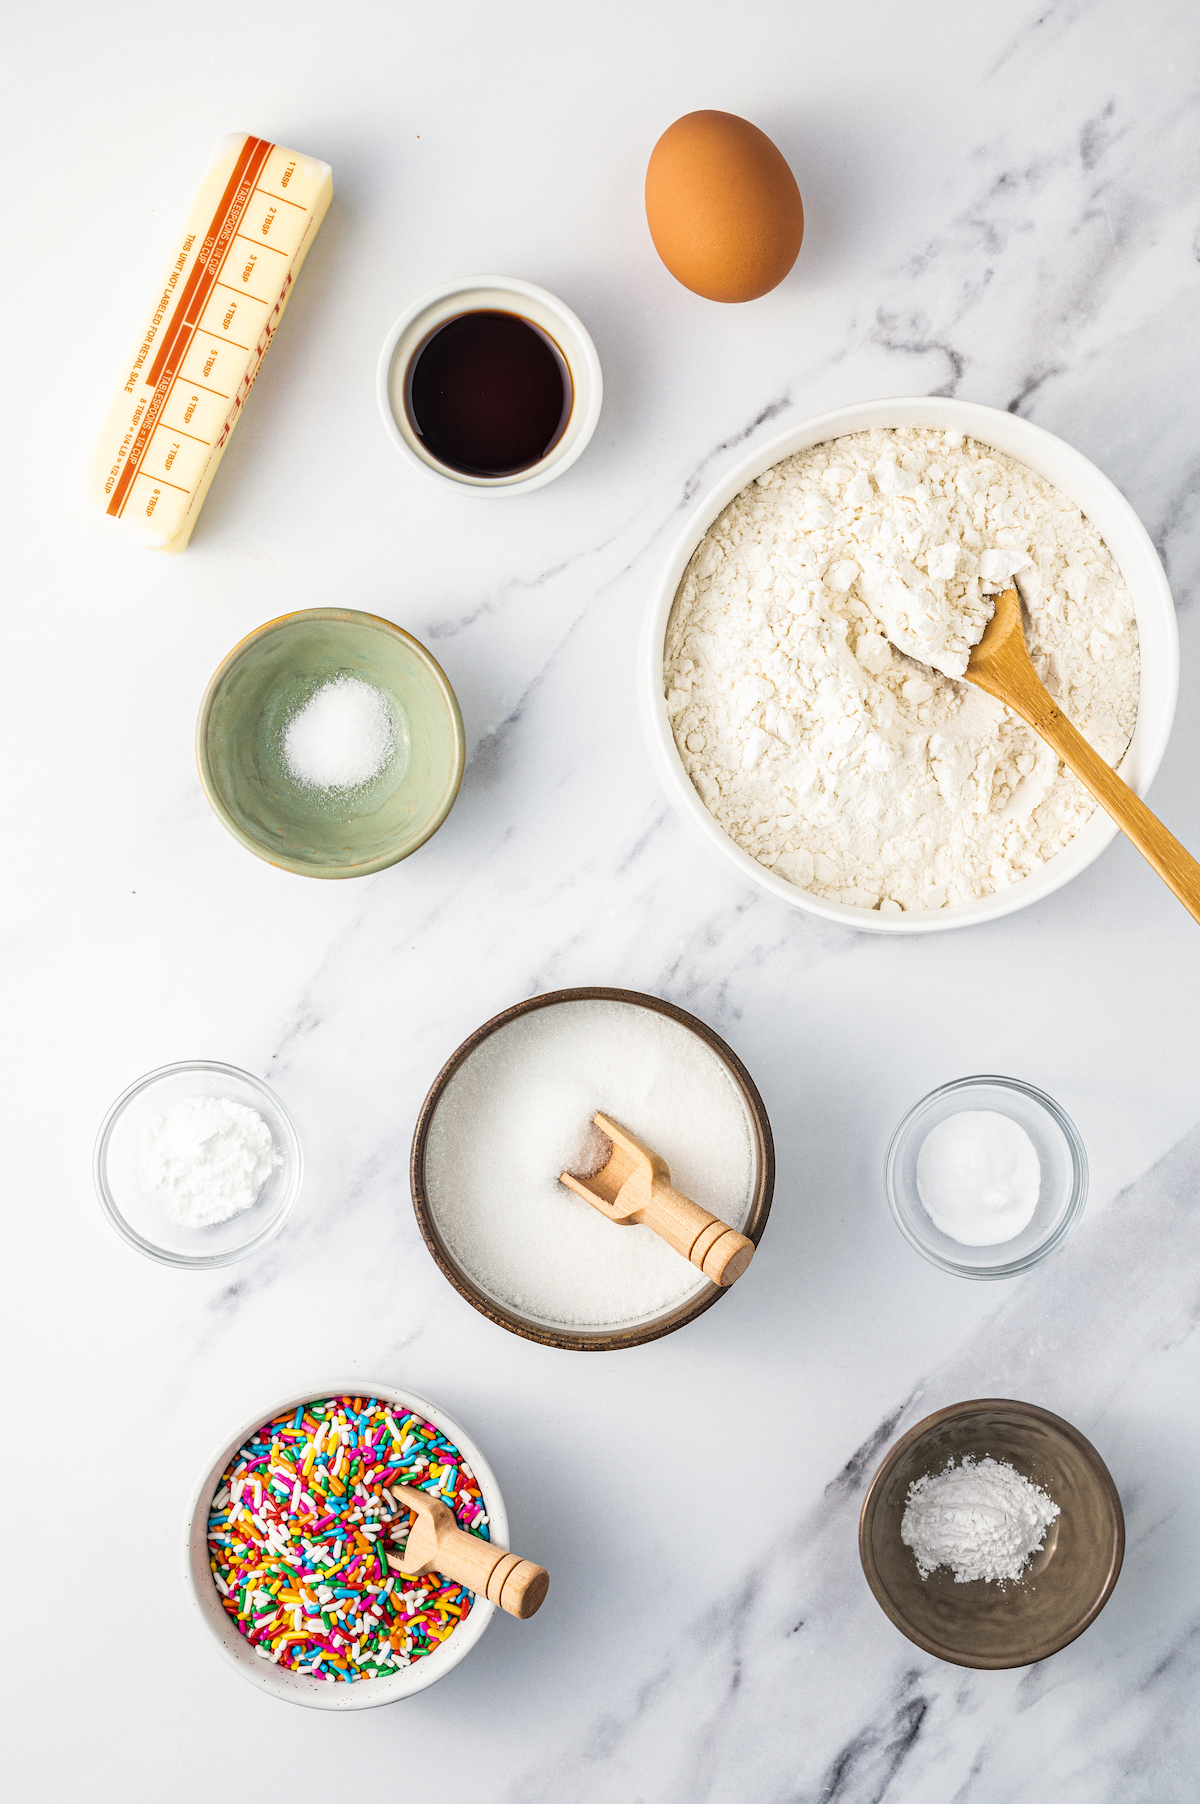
723	207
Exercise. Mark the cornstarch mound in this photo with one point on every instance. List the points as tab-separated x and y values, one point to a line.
813	652
301	1546
518	1112
982	1519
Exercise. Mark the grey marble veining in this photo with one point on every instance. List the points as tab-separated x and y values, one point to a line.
743	1700
1001	206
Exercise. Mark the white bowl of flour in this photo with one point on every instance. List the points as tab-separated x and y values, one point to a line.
845	779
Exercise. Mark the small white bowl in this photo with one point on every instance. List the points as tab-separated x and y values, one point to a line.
1121	530
118	1147
499	294
300	1688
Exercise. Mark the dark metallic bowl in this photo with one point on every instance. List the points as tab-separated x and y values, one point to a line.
1064	1587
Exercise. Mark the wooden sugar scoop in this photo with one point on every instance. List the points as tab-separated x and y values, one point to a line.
635	1186
437	1544
1001	665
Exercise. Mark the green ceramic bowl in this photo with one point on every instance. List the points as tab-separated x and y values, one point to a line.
328	833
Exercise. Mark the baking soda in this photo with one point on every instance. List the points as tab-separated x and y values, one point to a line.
978	1177
518	1112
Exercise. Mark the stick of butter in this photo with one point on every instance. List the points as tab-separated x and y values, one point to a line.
209	328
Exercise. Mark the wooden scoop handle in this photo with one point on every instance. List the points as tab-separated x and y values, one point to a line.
517	1585
635	1186
437	1544
721	1253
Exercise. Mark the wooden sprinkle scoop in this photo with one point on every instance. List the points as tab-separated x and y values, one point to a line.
1001	665
437	1544
635	1186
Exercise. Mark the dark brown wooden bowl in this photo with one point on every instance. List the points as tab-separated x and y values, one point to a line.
1064	1587
590	1340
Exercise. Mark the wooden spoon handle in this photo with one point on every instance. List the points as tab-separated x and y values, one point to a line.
721	1253
1176	866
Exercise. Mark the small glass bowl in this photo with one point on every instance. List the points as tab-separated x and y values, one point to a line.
137	1221
1060	1154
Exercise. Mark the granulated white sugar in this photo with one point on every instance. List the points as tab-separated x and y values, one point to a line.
342	736
518	1112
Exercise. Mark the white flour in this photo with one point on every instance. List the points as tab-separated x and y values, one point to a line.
982	1519
845	766
204	1160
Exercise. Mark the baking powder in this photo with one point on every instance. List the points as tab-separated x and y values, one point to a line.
204	1159
979	1177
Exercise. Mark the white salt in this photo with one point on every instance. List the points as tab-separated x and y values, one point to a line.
518	1112
342	736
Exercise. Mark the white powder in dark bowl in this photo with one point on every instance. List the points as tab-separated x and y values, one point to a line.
983	1519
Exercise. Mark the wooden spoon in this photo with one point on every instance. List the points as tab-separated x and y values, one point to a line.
1001	664
437	1544
635	1186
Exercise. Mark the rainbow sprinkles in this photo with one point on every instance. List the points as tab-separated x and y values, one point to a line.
301	1547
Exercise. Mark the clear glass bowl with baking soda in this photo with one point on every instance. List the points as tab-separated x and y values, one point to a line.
986	1176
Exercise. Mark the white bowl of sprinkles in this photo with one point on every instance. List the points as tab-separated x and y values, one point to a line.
301	1687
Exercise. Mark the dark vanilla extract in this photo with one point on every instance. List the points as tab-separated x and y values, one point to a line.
489	394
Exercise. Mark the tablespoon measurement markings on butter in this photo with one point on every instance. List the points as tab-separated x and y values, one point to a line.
222	298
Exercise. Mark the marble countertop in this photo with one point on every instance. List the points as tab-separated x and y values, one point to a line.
1001	205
